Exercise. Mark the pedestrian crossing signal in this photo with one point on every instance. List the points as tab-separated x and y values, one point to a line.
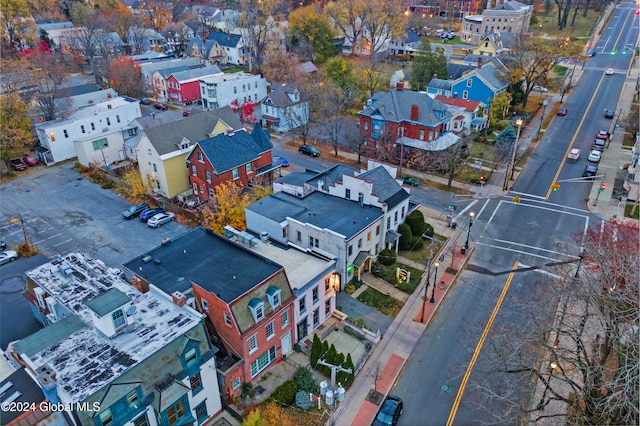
516	200
555	186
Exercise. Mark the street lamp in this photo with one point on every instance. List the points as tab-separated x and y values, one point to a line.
435	280
581	255
426	289
545	102
512	163
466	244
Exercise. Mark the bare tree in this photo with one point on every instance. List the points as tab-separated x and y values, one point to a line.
259	21
348	18
355	141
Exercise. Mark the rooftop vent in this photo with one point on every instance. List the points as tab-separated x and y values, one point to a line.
147	259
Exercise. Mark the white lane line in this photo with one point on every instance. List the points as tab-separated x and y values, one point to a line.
542	271
59	244
516	251
462	213
534	248
525	194
550	209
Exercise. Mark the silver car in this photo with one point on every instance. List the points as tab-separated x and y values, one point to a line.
8	256
161	219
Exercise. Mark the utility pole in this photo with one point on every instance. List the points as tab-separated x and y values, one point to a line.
426	289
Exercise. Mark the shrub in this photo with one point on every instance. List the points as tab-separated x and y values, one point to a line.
305	380
350	288
406	237
247	389
416	222
346	379
417	242
428	230
285	393
303	401
387	257
316	348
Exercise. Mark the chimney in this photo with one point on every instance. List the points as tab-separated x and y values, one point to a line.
228	35
479	62
435	75
139	284
414	112
399	85
179	298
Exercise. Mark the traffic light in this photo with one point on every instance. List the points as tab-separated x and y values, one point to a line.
516	200
555	186
482	178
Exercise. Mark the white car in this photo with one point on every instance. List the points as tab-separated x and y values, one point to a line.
538	88
8	256
574	154
609	71
594	156
161	219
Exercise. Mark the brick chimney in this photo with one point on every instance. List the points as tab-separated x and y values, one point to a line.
139	284
414	112
228	35
179	298
479	62
399	85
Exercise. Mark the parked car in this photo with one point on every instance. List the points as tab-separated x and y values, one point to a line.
3	244
598	145
389	411
8	256
145	101
608	113
591	53
609	71
308	150
186	112
17	164
160	105
603	134
594	156
410	180
538	88
149	213
590	171
161	219
574	154
30	160
283	161
562	111
134	210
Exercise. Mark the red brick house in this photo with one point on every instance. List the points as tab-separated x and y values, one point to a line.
183	87
240	156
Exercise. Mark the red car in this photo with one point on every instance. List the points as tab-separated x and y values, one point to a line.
17	164
186	112
30	160
160	106
563	111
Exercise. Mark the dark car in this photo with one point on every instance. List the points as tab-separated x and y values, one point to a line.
159	105
149	213
308	150
134	210
17	164
608	113
389	411
563	111
30	160
590	171
145	101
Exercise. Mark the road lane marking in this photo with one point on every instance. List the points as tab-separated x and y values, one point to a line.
59	244
526	253
476	352
526	194
533	247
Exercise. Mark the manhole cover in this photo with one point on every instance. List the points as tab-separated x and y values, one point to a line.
11	285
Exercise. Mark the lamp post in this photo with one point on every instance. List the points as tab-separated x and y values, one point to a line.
466	243
435	280
426	290
581	255
512	163
545	102
552	367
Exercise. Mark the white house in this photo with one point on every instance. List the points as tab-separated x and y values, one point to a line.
283	110
90	122
105	149
221	90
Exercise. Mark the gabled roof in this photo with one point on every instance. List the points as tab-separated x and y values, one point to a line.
455	70
467	104
493	73
331	176
385	187
166	138
226	152
153	66
225	39
396	105
307	67
438	83
195	74
281	94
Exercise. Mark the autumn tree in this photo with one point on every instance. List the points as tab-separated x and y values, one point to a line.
280	66
15	125
14	20
453	158
348	18
309	27
384	19
269	414
125	77
45	10
583	349
426	64
119	19
228	208
260	21
341	72
332	102
137	186
156	13
499	107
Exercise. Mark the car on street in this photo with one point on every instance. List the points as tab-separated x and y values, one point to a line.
574	154
410	180
30	160
562	111
145	101
594	156
590	171
308	150
134	210
591	53
186	112
389	411
283	161
598	145
609	71
608	113
149	213
17	164
161	219
603	134
8	256
538	88
161	106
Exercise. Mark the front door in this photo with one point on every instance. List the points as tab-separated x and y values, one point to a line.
285	342
302	329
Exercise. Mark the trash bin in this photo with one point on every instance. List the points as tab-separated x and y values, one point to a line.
454	225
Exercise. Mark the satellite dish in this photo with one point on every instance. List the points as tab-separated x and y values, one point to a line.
131	310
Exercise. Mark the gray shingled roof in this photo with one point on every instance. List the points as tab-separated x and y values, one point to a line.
455	71
387	189
225	39
400	102
331	176
279	95
345	217
196	73
226	152
438	83
167	138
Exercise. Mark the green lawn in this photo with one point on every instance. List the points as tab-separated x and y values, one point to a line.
388	273
627	211
549	25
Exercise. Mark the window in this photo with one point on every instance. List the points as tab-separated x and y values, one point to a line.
191	357
314	294
205	305
106	418
389	222
395	217
208	173
201	189
196	383
376	249
402	215
132	132
227	318
422	134
316	317
284	318
327	286
93	126
327	307
249	168
66	134
176	412
155	168
270	331
132	399
235	90
465	94
360	197
118	319
261	363
366	125
236	383
302	305
314	242
149	151
52	136
118	118
234	173
211	193
347	194
108	121
252	343
298	236
469	82
82	129
141	421
200	157
350	250
359	242
195	188
377	229
194	171
273	294
201	412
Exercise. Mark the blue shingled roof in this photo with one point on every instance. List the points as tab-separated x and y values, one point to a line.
225	39
226	152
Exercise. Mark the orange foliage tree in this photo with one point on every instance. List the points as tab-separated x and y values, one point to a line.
125	77
270	414
230	201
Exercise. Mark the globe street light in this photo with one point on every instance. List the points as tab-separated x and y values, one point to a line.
466	244
435	280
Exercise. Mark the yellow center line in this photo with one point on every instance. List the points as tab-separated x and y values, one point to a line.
476	353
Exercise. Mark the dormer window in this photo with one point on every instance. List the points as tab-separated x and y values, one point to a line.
257	309
273	294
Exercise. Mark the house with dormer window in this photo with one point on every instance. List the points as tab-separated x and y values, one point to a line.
163	149
283	109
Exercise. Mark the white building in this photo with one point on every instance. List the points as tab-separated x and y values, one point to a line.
283	110
510	16
90	122
221	90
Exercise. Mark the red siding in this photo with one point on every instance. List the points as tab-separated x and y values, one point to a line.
187	92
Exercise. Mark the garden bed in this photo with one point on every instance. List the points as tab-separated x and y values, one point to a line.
380	301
